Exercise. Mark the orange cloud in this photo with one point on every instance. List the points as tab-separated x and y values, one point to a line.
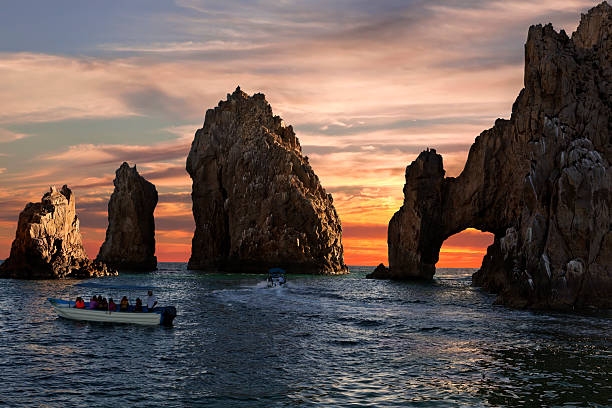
359	251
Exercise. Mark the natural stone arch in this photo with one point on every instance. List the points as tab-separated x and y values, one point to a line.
541	182
436	208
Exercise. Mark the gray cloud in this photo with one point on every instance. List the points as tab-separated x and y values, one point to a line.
90	219
175	197
173	171
356	126
155	102
175	223
102	154
387	148
98	220
101	204
93	206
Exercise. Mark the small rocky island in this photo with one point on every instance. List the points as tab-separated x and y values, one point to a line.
130	236
541	182
257	203
48	242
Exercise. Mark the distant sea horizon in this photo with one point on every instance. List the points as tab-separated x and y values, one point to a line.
349	266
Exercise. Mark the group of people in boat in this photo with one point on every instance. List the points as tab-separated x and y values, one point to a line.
98	302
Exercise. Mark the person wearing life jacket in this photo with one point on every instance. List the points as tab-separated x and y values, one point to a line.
80	303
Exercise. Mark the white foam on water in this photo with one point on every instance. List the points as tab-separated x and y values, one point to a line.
261	285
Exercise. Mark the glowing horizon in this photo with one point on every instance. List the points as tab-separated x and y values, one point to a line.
366	88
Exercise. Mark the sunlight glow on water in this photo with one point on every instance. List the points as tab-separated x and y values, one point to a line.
333	341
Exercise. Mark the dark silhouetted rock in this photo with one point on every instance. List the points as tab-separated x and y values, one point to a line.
48	242
540	182
257	203
381	271
130	236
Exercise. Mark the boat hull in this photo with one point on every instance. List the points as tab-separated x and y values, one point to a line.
64	310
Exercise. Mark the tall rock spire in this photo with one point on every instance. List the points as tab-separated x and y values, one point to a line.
257	203
130	236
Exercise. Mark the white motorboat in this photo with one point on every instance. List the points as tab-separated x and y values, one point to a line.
276	277
159	315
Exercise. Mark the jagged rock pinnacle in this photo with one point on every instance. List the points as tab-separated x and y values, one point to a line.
130	236
48	242
257	203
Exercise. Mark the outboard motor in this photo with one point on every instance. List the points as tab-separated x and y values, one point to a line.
168	315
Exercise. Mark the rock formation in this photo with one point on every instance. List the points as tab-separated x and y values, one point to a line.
130	236
540	182
257	203
381	271
48	242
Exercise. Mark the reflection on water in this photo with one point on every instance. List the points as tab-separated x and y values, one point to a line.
335	341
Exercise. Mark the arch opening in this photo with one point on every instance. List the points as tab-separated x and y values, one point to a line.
464	249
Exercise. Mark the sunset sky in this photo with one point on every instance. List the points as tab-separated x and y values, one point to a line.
367	85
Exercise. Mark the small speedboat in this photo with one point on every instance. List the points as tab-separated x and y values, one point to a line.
276	277
159	315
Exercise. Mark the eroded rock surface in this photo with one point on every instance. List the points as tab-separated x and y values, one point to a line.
257	203
130	236
540	182
48	242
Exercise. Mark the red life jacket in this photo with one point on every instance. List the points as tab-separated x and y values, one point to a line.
80	304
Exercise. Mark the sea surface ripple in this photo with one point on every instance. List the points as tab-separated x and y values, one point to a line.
327	341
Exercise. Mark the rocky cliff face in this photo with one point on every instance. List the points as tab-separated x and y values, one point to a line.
257	203
540	182
48	242
130	236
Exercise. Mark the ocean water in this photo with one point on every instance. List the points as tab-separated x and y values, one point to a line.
327	341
